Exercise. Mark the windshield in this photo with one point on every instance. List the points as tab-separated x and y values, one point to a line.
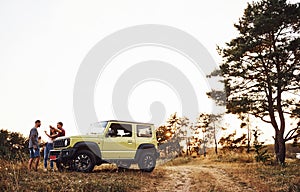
98	127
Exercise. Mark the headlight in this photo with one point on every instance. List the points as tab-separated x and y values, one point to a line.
67	142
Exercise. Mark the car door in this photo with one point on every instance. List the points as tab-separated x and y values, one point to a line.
119	142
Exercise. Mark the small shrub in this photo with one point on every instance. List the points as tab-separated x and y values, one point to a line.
260	150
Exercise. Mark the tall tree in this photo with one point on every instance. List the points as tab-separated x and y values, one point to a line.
261	67
173	123
246	123
214	121
185	132
203	124
208	123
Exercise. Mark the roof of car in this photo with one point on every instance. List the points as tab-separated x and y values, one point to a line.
135	122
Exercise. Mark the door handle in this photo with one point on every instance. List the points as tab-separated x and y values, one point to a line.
129	141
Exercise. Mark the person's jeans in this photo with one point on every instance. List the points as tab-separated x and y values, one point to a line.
49	146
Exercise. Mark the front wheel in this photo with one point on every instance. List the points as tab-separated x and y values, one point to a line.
84	161
64	166
60	166
147	162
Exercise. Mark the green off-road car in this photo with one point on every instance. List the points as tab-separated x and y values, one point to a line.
119	142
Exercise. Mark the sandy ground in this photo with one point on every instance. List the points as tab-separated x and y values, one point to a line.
193	177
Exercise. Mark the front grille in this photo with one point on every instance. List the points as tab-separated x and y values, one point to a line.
61	143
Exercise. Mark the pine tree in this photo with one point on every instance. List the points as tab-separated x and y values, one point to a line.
261	67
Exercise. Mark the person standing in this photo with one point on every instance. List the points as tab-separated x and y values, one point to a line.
49	146
59	130
33	146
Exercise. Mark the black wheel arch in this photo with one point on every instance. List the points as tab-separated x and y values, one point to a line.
145	147
91	146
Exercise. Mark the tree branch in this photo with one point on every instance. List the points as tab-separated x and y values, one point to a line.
266	121
290	135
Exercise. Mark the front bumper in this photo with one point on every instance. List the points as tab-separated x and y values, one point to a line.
62	155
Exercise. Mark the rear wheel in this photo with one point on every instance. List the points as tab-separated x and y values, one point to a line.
84	161
147	162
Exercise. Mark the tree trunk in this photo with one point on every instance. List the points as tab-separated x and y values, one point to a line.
215	139
204	147
187	146
216	145
280	148
248	137
276	147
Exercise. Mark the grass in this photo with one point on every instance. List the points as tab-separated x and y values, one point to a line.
258	176
15	177
240	169
266	178
231	157
177	161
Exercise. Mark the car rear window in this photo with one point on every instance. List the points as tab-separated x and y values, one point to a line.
144	131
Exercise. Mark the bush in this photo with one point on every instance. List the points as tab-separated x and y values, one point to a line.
13	146
260	150
231	156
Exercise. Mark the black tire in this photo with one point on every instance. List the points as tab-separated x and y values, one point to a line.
84	161
147	162
66	166
60	166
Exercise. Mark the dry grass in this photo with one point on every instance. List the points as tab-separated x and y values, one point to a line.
176	161
257	176
265	177
15	177
231	157
213	173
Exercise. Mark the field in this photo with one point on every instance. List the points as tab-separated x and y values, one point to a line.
238	173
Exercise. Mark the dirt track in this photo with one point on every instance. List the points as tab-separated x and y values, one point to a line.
193	177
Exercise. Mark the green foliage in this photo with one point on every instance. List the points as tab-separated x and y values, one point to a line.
163	134
218	96
260	150
296	139
169	135
260	67
207	123
230	143
13	146
262	63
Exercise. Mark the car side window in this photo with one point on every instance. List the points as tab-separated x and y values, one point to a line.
144	131
120	130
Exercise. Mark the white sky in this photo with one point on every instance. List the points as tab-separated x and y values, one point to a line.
44	42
